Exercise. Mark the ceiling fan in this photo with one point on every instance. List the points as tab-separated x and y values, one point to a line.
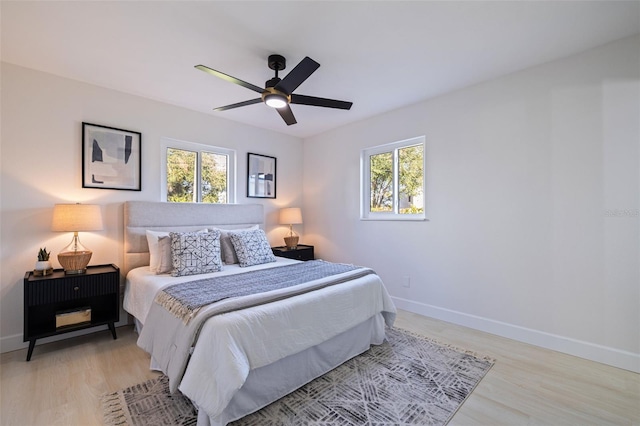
278	92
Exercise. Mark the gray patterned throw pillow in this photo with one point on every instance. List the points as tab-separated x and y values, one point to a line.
228	253
252	247
195	253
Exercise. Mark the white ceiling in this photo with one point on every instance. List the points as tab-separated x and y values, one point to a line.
379	55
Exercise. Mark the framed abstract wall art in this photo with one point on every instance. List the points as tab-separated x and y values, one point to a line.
111	158
261	179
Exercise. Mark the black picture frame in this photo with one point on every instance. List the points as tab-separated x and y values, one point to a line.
111	158
261	176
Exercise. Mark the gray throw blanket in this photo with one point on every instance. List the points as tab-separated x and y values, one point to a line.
184	300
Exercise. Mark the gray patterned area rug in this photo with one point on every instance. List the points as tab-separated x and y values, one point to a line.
408	380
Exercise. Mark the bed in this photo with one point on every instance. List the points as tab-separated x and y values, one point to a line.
237	355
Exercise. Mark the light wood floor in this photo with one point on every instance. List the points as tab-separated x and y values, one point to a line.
527	386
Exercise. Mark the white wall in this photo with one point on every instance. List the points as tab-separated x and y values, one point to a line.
41	165
522	172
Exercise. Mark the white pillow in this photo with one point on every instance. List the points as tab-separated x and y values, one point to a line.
155	255
195	253
252	247
166	261
228	252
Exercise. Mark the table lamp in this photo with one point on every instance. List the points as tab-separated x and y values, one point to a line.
75	218
291	216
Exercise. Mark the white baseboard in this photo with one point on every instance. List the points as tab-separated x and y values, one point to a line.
594	352
14	342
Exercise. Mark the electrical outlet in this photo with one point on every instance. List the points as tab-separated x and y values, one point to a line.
406	282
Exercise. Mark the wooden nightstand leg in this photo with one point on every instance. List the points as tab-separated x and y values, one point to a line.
112	327
32	344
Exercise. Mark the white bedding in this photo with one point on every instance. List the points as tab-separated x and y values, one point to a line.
240	341
233	344
141	285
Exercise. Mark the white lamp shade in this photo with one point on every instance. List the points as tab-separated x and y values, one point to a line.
290	216
77	218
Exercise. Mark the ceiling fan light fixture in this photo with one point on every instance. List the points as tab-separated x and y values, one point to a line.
275	100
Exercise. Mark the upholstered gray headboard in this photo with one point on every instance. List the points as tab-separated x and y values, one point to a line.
181	217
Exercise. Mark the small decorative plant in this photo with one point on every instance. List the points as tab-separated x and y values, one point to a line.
43	254
43	266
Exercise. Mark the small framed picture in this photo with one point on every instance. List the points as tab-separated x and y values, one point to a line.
111	158
261	179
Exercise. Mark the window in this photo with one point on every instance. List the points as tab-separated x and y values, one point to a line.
194	173
393	181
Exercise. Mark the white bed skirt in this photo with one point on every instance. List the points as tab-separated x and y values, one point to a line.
271	382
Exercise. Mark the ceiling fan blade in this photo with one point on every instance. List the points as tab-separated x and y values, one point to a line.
239	104
321	102
229	78
298	75
287	115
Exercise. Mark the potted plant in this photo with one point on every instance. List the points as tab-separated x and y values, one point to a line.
43	265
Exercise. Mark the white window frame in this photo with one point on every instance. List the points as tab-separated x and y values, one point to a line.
166	143
365	181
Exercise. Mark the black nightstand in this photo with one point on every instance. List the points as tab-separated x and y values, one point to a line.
302	252
59	303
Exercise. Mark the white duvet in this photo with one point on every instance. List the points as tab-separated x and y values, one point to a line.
141	285
232	344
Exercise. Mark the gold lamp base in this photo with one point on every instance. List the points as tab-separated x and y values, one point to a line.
291	242
75	262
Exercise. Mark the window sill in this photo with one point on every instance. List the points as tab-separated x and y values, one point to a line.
396	219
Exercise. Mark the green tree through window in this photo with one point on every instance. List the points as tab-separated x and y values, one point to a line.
201	174
181	175
381	182
394	174
214	178
410	178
